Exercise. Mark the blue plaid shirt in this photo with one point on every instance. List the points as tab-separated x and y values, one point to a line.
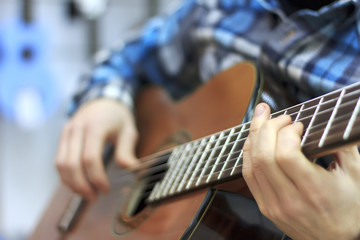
310	52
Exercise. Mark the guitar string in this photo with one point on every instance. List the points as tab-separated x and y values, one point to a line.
235	157
152	159
204	179
204	176
225	155
245	133
239	166
243	139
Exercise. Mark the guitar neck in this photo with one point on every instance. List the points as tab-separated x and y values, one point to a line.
329	122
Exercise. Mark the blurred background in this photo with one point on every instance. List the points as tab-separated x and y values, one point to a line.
45	45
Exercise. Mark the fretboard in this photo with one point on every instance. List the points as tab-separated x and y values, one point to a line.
329	122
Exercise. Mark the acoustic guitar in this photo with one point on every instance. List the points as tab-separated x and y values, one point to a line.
193	189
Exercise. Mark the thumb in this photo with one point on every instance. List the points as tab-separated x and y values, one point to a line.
125	147
348	159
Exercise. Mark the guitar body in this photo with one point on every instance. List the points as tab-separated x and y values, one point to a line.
224	211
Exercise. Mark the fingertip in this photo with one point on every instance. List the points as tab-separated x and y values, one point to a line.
126	161
260	109
88	193
90	197
84	190
105	187
299	126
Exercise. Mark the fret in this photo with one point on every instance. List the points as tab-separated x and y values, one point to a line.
237	168
210	159
236	148
298	113
329	121
217	167
351	122
199	164
303	114
311	122
346	111
315	131
193	161
214	163
234	138
354	134
294	112
332	117
172	160
184	161
154	191
174	170
277	114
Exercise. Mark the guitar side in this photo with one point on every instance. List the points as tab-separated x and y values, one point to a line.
220	104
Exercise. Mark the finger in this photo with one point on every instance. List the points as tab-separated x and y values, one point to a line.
63	166
125	146
276	187
264	134
300	170
348	159
62	149
249	175
92	159
261	115
73	172
264	173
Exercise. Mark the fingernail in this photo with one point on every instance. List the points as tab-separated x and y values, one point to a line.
259	110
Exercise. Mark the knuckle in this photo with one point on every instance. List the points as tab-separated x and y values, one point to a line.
275	213
253	128
284	155
247	172
76	125
87	160
268	125
97	182
81	189
264	210
72	125
247	145
291	209
319	200
120	159
67	127
261	157
92	130
64	166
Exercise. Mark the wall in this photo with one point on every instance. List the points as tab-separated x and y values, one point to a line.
27	174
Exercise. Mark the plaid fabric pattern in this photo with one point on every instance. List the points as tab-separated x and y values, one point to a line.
310	52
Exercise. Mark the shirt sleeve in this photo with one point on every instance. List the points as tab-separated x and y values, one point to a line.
157	56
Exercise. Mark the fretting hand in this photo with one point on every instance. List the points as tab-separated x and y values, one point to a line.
303	199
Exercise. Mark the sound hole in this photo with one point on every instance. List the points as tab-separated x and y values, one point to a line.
147	180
